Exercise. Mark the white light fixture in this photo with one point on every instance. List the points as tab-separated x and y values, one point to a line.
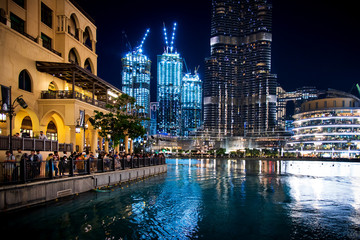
2	117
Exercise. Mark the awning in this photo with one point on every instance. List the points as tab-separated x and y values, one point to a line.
74	74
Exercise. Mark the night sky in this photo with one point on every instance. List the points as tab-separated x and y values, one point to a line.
314	44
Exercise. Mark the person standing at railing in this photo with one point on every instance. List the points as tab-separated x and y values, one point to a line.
47	168
41	163
62	165
9	166
56	159
33	164
18	155
42	136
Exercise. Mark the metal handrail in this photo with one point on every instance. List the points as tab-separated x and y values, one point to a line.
29	171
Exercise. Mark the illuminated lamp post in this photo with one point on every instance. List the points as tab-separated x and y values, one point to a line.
7	107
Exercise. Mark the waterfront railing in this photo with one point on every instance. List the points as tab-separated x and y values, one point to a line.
29	171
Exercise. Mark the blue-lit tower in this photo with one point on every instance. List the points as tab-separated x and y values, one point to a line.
169	76
191	103
136	68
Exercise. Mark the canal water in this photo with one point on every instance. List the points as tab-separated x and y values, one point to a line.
209	199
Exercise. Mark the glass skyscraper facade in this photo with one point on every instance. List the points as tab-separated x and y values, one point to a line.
169	75
191	103
136	80
239	88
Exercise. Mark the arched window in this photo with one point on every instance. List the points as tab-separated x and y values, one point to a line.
25	81
51	131
88	65
26	127
87	37
73	56
73	27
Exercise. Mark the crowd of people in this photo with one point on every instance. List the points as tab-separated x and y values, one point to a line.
38	166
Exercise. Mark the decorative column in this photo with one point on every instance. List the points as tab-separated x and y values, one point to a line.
131	146
106	149
94	140
126	141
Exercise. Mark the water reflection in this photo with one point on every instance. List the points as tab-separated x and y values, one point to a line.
212	199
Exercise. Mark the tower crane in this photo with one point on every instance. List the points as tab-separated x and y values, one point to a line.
172	39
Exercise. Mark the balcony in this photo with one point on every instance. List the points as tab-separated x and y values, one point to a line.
78	78
68	94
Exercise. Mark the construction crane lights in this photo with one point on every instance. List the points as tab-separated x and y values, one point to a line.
143	40
172	39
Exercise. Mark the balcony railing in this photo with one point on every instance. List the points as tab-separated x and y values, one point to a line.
68	94
28	171
29	144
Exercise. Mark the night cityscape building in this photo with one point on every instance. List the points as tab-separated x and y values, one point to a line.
289	103
191	103
169	77
136	73
327	127
239	88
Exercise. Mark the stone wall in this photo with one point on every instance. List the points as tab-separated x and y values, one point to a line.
25	195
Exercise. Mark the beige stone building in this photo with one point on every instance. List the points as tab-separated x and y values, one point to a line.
48	55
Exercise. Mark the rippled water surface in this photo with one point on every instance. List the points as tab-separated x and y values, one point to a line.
209	199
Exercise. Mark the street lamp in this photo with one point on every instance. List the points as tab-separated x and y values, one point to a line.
8	108
77	127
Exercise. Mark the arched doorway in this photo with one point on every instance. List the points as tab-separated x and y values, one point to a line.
51	131
54	127
26	128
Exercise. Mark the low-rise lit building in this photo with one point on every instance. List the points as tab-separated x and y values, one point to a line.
327	127
48	56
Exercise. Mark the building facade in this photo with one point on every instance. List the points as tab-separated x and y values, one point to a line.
48	56
169	76
289	103
239	88
327	127
136	73
191	103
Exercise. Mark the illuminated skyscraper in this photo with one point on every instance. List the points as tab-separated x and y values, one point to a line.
191	103
239	89
169	74
136	78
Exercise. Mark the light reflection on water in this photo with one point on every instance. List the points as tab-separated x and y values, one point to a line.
212	199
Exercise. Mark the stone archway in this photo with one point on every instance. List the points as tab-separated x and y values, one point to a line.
31	122
53	125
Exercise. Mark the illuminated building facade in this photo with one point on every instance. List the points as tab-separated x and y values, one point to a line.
169	76
136	73
191	103
239	89
169	67
327	127
289	103
136	79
